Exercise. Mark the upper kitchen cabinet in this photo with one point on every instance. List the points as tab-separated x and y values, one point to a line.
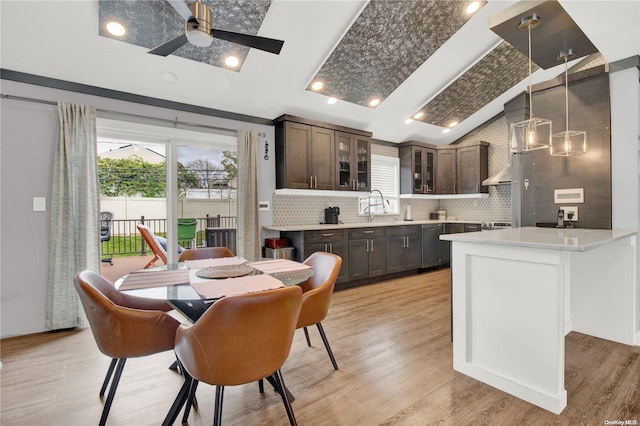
417	168
353	162
304	156
472	167
443	169
316	155
446	175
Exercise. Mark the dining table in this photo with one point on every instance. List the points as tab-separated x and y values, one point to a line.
192	286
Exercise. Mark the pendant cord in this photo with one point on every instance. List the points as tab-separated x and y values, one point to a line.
530	79
566	91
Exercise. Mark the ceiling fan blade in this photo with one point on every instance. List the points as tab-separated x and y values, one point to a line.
262	43
181	7
169	47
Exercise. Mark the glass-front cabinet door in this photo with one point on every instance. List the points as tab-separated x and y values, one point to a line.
344	160
423	171
353	157
363	154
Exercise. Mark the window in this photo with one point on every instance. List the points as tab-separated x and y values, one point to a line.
385	178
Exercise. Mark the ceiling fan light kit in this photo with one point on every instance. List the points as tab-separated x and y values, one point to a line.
569	142
534	133
200	32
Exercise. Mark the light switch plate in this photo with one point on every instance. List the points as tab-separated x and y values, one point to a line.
39	204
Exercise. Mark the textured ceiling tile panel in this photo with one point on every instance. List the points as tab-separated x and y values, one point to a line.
490	77
386	44
151	23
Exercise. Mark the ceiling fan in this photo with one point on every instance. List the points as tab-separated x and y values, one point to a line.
199	32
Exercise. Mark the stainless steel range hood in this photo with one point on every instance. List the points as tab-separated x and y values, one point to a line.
500	178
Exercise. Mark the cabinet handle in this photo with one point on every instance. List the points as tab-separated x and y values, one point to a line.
477	187
330	247
326	247
407	241
371	245
368	232
327	235
403	241
353	184
367	246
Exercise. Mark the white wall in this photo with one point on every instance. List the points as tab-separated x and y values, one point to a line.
27	140
625	158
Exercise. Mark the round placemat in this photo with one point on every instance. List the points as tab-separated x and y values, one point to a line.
224	271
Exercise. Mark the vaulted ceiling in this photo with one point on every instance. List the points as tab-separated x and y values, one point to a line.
415	56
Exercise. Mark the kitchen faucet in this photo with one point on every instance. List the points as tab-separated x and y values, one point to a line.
384	203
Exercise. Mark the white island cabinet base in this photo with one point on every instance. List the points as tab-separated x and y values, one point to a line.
514	301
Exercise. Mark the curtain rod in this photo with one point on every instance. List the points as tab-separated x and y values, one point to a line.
175	122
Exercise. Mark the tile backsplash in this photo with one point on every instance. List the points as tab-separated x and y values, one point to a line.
308	210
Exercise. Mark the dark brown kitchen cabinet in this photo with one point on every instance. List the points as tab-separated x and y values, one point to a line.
366	253
353	162
403	248
446	171
417	169
472	167
315	155
304	156
327	240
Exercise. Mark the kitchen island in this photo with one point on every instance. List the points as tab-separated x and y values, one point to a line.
517	292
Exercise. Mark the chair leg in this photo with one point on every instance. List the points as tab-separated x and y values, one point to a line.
306	334
181	398
326	345
190	400
261	385
217	412
112	365
112	391
285	400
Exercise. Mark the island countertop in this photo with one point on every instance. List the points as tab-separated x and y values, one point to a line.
546	238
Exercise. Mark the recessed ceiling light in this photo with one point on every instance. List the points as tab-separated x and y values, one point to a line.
232	61
332	100
374	102
115	28
408	121
473	7
453	124
418	115
317	85
446	130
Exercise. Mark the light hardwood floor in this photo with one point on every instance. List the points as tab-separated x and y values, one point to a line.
391	342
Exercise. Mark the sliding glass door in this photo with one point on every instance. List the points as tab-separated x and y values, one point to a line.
180	183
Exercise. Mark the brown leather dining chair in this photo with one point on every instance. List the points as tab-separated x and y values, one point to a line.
316	295
240	339
122	332
159	253
205	253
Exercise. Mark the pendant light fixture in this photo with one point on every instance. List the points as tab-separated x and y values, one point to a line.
569	142
534	133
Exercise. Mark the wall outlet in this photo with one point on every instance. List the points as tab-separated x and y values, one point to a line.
568	210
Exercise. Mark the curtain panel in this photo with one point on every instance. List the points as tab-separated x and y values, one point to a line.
248	226
75	224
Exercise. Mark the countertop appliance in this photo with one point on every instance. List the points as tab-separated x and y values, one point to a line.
331	215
